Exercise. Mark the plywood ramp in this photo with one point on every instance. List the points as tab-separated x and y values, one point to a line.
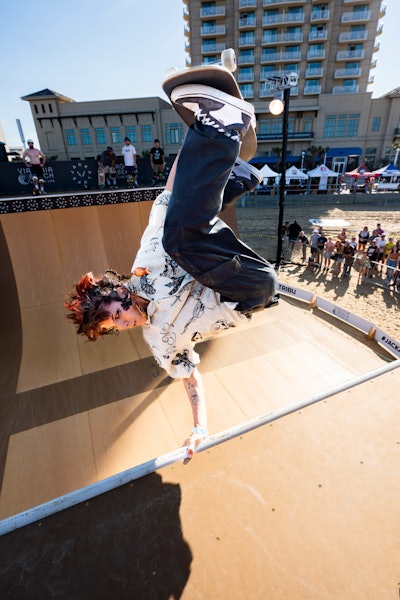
302	508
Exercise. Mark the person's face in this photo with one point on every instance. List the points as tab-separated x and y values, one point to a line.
127	142
121	319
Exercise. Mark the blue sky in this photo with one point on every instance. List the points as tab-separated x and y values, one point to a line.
98	49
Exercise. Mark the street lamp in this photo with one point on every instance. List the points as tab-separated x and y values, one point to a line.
280	86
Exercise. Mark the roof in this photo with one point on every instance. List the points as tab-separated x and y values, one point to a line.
46	93
392	94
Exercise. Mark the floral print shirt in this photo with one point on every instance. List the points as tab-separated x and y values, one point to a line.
181	311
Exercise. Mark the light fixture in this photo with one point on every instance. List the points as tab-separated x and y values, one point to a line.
276	105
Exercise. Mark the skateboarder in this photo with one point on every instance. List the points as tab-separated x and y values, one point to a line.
35	163
192	277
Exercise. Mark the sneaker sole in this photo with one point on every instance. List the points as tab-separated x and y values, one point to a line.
251	169
191	91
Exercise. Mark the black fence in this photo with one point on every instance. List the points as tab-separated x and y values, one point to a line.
68	176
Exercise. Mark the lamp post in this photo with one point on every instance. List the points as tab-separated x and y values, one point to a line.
280	86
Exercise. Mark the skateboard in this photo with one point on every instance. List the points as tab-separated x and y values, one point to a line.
218	76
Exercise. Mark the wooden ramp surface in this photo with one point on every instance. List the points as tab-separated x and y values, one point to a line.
306	507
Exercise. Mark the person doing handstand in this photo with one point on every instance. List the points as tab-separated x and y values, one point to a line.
192	277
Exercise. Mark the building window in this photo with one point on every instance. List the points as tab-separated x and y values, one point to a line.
341	125
85	137
43	108
210	59
115	135
50	108
271	126
36	109
147	133
71	138
247	90
174	133
307	124
100	135
376	123
130	132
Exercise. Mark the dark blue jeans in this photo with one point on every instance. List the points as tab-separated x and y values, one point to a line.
198	240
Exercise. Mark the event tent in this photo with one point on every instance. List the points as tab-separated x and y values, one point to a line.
322	171
295	173
267	172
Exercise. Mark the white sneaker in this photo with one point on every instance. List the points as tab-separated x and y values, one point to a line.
212	107
247	174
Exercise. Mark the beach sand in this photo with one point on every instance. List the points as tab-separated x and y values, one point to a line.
258	224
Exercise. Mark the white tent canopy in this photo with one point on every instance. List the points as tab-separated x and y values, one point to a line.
267	172
322	171
294	173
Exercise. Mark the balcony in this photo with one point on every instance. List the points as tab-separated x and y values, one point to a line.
292	135
314	53
382	11
246	60
280	57
213	48
185	15
310	90
247	22
379	30
247	4
356	16
320	15
280	2
212	30
312	73
353	36
343	73
245	78
373	64
376	47
371	79
212	11
345	89
281	38
283	19
247	41
314	36
349	54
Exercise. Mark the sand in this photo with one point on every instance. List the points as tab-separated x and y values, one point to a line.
258	223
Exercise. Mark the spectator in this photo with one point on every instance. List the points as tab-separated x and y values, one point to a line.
337	257
35	160
363	238
107	165
303	241
293	232
348	255
321	241
129	154
157	159
314	244
392	263
329	248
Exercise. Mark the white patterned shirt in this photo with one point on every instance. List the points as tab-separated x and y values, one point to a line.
181	310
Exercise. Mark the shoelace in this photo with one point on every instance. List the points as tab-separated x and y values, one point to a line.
205	119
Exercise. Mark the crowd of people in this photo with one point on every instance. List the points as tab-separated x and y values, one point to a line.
106	165
371	254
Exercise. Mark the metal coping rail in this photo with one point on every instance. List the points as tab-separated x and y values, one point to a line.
89	492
